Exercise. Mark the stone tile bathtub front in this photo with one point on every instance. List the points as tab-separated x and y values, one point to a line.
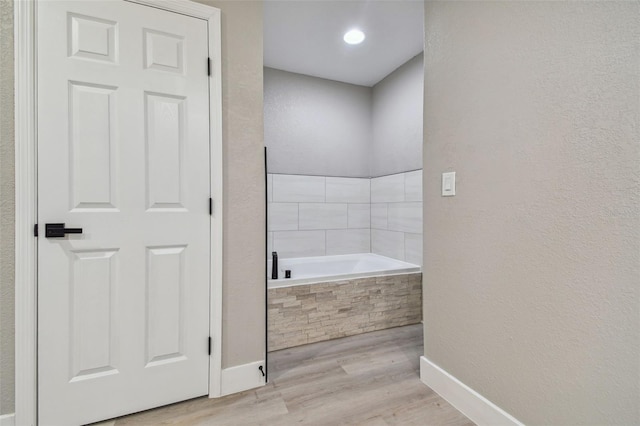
315	312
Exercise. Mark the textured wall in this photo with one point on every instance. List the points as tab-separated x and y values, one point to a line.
6	209
244	188
314	126
531	292
397	120
321	127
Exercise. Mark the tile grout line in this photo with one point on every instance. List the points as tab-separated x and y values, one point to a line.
404	199
370	221
324	179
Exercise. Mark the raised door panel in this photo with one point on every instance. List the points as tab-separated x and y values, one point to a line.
163	51
92	38
92	134
165	297
165	143
93	314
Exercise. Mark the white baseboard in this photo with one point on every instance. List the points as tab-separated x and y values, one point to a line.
469	402
242	378
8	420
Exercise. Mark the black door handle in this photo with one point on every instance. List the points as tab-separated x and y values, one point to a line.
57	230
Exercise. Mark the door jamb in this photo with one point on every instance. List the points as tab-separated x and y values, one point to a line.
26	198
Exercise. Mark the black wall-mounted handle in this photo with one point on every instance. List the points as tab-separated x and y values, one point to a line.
57	230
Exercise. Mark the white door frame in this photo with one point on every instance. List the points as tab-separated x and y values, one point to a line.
26	255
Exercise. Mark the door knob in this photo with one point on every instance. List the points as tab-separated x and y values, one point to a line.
57	230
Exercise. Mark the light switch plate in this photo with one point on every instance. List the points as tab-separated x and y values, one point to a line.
449	184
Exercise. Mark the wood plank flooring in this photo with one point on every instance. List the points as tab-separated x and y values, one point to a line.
368	379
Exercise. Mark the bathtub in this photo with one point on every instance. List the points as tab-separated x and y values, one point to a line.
330	297
309	270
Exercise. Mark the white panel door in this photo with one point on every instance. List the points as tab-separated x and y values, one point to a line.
123	153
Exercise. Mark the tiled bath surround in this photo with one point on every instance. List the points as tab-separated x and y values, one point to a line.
396	216
319	216
315	312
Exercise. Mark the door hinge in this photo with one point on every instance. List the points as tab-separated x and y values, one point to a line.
35	230
209	66
209	345
210	206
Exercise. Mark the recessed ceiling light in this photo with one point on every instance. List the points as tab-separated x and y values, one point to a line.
354	37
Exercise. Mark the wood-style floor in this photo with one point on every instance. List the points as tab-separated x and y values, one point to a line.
369	379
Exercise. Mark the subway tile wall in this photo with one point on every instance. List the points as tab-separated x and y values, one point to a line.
318	215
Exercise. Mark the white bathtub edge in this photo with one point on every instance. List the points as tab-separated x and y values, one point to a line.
389	266
333	278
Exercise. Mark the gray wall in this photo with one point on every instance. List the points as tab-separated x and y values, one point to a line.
531	292
244	192
315	126
397	120
6	209
322	127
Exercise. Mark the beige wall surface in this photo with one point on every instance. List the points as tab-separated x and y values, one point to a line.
244	191
532	271
6	209
244	293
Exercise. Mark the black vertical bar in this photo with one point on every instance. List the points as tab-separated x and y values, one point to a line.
266	269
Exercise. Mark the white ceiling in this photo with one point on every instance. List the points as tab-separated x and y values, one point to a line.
305	36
